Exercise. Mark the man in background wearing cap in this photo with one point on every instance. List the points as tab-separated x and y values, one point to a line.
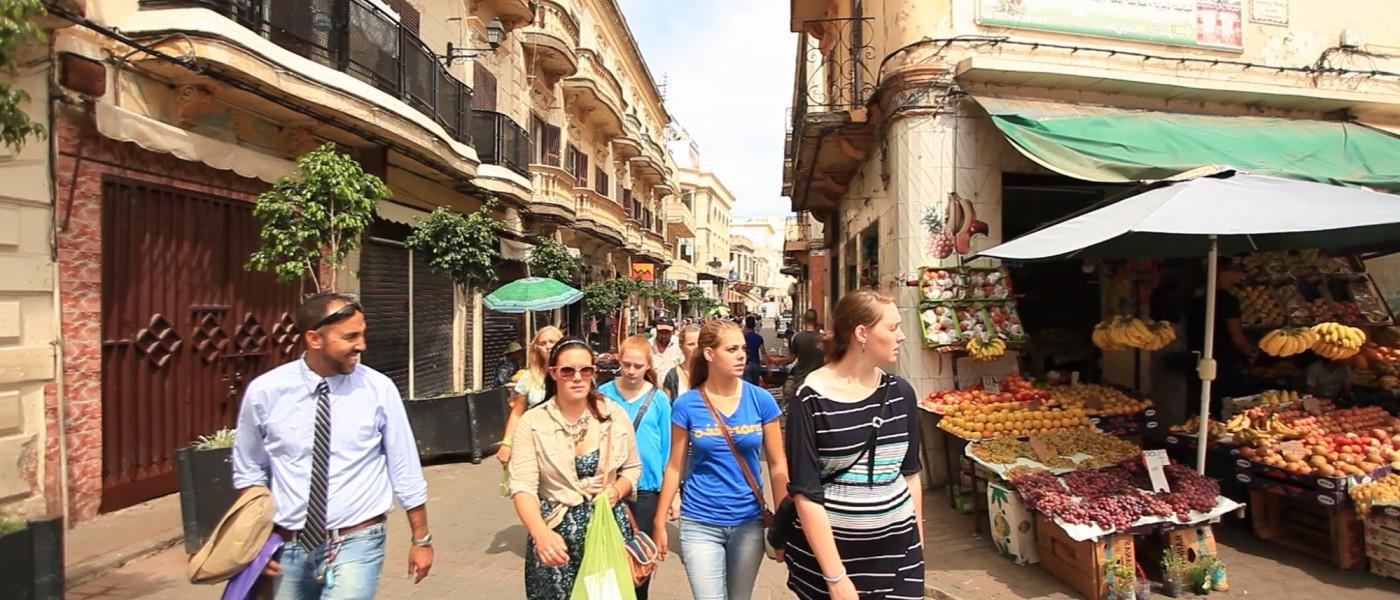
665	352
510	364
331	439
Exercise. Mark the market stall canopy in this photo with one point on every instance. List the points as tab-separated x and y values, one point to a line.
1119	145
1246	212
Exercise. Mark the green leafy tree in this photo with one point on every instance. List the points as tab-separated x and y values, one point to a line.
462	248
670	298
703	303
17	28
316	216
551	259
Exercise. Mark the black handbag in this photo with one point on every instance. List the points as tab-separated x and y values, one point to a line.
784	520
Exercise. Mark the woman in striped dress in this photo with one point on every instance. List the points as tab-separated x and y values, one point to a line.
860	514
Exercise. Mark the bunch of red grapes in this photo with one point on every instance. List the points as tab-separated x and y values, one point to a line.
1115	498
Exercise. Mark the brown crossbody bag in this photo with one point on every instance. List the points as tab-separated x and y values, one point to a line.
743	465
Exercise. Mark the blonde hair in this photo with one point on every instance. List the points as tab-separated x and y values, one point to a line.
710	335
640	344
535	364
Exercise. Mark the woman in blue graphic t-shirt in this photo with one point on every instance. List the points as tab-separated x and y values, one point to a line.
721	518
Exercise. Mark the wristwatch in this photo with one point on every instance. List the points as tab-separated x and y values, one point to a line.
424	542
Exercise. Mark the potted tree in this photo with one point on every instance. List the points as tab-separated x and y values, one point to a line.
205	470
1174	573
1122	581
462	248
312	220
1201	574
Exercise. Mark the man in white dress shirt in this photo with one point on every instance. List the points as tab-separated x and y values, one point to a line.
331	439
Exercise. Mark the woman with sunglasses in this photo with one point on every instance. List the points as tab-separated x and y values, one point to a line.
529	389
649	409
718	429
575	446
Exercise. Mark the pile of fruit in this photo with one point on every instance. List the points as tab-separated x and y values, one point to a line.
1259	306
1100	448
1379	364
943	284
1331	455
1214	429
1097	400
1288	341
1274	423
1123	332
987	421
1337	341
986	350
1117	497
1384	490
1014	389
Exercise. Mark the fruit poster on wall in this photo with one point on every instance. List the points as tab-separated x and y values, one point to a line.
949	225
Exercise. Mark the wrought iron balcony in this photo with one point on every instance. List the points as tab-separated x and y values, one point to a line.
358	38
803	233
501	141
835	82
551	39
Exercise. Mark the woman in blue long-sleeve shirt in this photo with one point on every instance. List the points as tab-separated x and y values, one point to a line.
636	390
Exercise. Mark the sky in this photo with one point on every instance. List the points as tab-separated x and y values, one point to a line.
730	65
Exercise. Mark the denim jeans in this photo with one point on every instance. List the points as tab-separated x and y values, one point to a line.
353	573
721	562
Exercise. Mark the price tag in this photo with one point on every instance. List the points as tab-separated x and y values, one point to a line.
1310	404
990	384
1294	449
1042	450
1156	461
1074	378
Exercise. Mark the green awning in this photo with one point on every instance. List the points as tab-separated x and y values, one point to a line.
1119	145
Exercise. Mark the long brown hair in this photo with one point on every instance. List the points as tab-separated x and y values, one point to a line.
595	400
710	335
640	344
861	307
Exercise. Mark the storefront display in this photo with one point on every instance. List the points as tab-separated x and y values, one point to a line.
965	304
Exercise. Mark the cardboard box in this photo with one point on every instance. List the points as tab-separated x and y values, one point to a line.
1327	498
1333	534
1191	542
1317	482
1013	530
1080	565
1385	568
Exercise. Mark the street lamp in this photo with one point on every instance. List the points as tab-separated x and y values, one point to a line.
495	35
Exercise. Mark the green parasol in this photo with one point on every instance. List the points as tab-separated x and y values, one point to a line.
532	294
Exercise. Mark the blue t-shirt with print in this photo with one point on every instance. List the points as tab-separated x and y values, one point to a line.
716	492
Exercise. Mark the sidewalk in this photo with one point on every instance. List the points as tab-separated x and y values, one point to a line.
480	546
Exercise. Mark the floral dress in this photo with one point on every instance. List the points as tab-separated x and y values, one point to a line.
544	582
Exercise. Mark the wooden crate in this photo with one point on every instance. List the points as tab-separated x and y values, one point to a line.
1080	565
1333	534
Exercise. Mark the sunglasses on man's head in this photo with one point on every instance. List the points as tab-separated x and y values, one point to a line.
339	314
569	372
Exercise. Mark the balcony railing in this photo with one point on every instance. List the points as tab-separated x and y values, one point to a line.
354	37
833	73
501	141
553	18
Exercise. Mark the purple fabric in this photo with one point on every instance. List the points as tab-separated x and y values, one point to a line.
241	586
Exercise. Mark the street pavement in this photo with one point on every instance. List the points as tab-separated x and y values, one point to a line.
478	541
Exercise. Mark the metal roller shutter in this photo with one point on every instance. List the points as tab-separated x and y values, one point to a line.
432	331
499	330
384	295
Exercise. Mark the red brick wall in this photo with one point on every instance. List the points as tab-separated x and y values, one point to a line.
84	156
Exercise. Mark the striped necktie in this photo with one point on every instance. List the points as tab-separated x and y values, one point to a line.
313	533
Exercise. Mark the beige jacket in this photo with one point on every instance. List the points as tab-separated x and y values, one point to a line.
542	457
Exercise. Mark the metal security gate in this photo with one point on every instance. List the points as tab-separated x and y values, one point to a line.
185	327
408	314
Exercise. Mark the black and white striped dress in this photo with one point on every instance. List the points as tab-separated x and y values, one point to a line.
872	518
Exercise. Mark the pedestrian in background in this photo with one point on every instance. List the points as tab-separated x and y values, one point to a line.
331	439
510	364
529	389
575	446
666	353
719	428
853	457
806	347
635	390
756	352
677	380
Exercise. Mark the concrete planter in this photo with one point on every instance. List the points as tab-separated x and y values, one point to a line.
31	561
206	491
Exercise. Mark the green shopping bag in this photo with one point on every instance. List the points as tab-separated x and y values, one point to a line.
605	573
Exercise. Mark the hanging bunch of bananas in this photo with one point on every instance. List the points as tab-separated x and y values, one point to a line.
1288	341
1123	332
1337	341
986	350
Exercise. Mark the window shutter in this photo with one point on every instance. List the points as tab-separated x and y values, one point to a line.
484	92
408	16
551	145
